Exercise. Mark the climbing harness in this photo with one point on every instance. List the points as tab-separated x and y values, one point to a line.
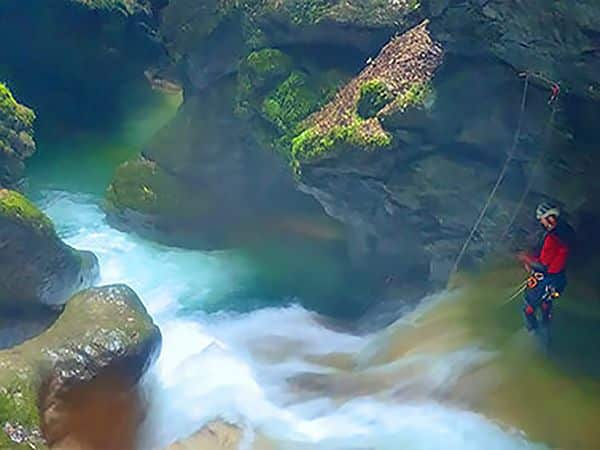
555	91
534	279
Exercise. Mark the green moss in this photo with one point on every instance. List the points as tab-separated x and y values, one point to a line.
374	95
144	187
416	95
260	71
306	12
11	110
267	63
15	206
312	144
291	102
18	405
18	402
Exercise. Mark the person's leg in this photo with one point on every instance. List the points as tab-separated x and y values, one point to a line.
531	322
531	301
546	308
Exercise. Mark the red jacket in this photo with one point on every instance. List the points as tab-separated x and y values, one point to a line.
555	250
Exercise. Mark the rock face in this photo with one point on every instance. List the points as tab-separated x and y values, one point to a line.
411	171
558	39
16	137
102	332
38	269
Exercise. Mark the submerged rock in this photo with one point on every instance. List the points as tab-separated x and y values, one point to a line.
16	137
102	332
38	269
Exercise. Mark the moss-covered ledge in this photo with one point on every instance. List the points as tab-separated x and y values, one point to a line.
102	330
16	137
16	207
397	80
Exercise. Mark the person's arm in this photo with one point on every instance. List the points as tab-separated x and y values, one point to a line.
549	253
542	262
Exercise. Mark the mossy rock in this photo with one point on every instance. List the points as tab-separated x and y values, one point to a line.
374	95
38	268
313	144
12	111
260	72
16	137
15	206
157	199
102	330
286	100
291	102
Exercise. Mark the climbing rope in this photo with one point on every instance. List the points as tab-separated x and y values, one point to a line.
545	139
501	176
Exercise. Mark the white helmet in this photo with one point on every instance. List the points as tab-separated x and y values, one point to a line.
546	209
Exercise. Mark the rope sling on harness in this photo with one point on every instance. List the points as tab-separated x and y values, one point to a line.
510	156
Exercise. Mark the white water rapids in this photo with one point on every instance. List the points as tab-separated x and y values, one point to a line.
238	366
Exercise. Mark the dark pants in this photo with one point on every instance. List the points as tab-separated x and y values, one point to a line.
540	298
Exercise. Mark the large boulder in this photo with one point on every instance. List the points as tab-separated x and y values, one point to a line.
103	332
38	269
16	137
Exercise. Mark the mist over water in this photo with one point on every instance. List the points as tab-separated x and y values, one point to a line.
258	369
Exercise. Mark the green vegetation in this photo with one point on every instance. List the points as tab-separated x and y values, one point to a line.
11	110
266	64
279	97
374	95
260	71
306	12
291	102
311	144
416	95
15	206
144	187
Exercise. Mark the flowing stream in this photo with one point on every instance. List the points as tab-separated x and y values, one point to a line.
238	366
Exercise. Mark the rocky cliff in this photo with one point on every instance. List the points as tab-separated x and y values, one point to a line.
398	126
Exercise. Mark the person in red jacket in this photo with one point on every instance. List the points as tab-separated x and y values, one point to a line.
548	277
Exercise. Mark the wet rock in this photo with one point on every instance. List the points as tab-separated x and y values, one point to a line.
214	436
16	137
38	269
102	332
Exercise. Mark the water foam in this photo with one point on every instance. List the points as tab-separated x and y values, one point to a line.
238	367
